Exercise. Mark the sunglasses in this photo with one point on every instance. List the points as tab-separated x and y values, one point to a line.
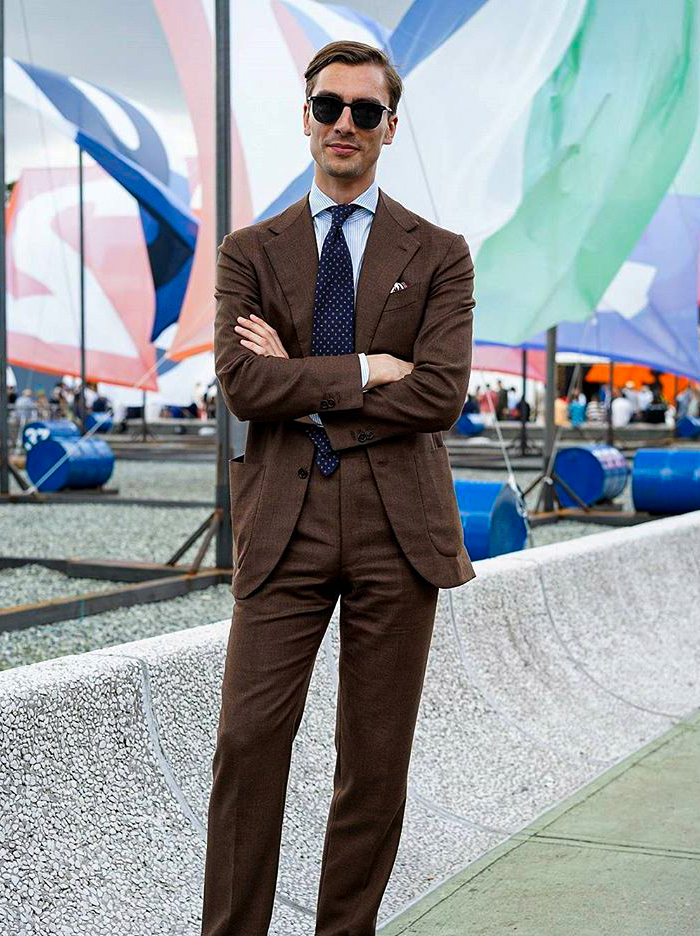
365	114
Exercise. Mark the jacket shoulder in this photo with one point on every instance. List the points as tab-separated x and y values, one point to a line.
420	227
253	234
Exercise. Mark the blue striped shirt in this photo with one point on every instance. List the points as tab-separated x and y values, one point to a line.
355	230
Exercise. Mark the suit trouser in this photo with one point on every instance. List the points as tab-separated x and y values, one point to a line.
342	547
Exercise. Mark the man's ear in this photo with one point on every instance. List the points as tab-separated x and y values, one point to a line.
390	131
305	119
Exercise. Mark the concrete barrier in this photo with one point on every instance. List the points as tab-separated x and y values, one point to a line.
551	666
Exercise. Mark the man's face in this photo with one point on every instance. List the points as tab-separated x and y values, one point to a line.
341	149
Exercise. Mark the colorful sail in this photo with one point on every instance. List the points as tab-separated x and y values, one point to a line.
123	138
43	279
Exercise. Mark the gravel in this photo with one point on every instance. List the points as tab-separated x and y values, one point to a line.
149	534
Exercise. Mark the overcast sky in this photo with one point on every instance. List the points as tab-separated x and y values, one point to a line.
118	45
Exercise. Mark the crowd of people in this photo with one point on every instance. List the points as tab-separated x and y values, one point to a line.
647	404
63	401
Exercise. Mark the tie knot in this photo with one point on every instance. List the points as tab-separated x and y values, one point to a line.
341	213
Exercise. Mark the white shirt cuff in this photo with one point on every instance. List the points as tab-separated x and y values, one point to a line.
316	418
364	367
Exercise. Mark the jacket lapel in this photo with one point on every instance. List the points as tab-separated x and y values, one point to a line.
294	257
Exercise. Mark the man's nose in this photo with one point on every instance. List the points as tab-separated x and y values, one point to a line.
345	122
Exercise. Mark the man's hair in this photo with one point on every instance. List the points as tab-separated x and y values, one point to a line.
355	53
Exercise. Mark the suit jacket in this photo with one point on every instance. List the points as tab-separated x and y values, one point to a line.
269	269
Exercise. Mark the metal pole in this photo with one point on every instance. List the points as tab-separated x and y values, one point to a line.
4	441
81	227
549	427
224	536
523	420
610	434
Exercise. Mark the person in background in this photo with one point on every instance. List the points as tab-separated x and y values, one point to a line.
521	405
471	404
683	402
25	407
596	411
513	398
561	411
630	393
622	409
501	400
645	397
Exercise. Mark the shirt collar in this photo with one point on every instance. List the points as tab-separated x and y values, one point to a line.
319	201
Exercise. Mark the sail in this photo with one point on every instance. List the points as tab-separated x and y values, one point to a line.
123	137
43	279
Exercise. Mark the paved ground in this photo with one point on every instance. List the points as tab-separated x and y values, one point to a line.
619	858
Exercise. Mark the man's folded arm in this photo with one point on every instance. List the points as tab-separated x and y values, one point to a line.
262	387
431	397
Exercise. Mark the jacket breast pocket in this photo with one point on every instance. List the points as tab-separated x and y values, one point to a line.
245	486
402	297
439	500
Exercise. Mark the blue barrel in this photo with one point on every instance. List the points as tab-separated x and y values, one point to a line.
492	519
38	430
688	428
470	424
666	481
103	421
89	464
594	472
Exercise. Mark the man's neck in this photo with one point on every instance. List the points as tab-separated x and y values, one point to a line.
342	191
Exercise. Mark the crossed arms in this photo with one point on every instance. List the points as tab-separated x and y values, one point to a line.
266	387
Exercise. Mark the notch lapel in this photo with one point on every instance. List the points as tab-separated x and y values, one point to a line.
387	252
294	258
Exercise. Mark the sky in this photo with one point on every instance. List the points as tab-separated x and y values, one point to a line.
118	45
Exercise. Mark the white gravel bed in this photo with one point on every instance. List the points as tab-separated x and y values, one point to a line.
47	641
32	583
166	478
87	531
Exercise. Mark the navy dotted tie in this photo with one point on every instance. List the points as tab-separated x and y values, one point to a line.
334	316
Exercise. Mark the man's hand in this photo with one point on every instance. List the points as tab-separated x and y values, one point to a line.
385	368
259	336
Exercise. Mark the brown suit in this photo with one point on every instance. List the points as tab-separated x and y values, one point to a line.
382	532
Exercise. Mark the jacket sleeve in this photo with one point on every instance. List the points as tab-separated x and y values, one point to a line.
262	387
431	397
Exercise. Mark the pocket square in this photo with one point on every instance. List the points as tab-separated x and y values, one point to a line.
397	286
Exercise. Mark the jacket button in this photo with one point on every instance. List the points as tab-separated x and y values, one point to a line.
331	402
302	472
369	434
361	436
324	404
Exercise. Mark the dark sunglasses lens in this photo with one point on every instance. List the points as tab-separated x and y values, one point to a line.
326	109
366	115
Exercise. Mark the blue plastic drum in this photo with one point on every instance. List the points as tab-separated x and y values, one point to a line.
688	428
103	421
492	519
41	429
470	424
666	481
595	472
89	464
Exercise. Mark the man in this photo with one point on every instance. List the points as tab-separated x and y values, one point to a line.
343	336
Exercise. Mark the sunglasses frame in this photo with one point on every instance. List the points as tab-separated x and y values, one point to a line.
345	104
